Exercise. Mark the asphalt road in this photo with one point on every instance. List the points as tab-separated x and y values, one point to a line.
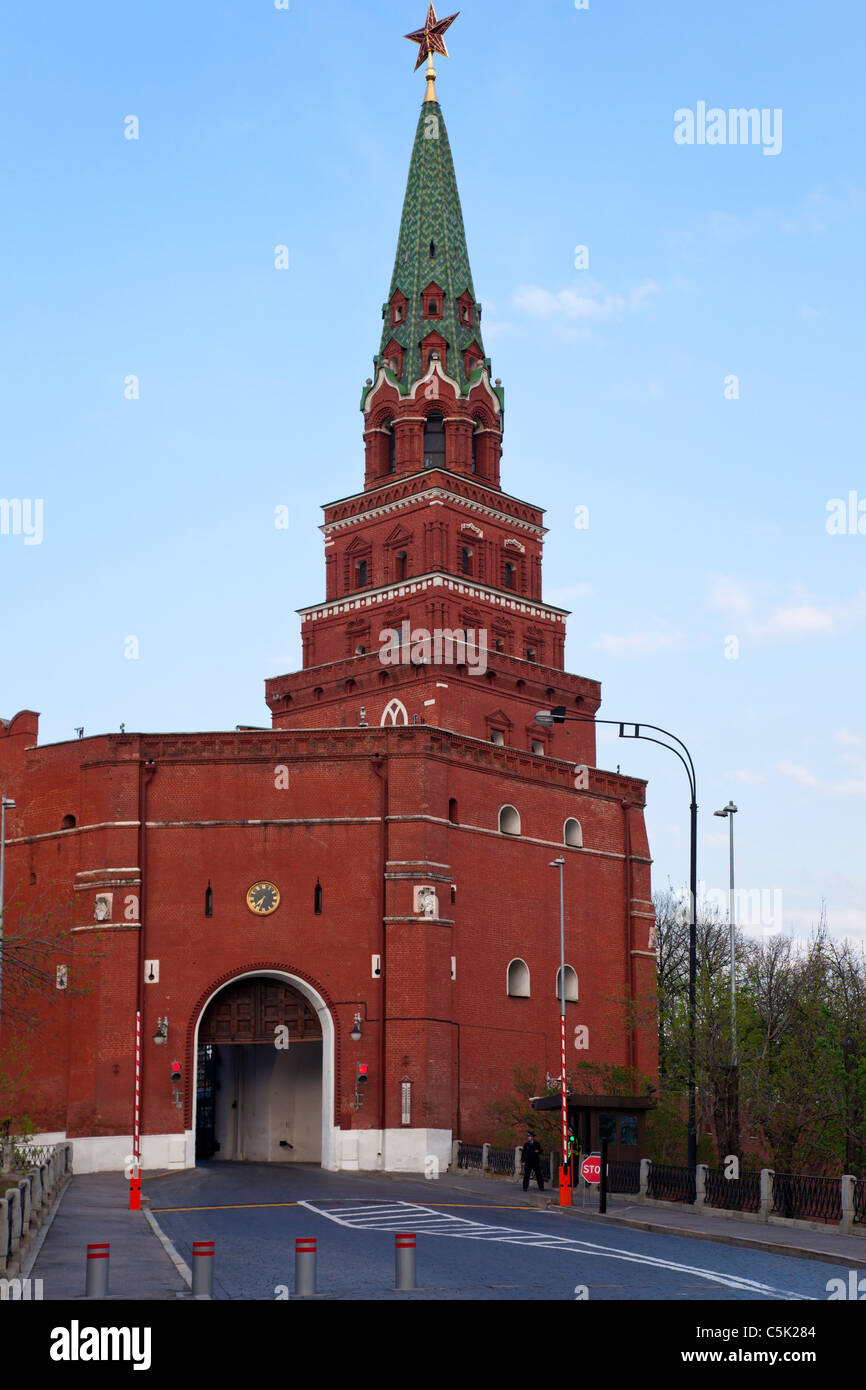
467	1248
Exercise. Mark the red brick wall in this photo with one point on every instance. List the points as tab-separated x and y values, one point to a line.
506	906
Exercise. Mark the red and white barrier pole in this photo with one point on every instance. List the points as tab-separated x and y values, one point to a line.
135	1177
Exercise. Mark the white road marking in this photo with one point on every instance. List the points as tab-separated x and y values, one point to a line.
394	1216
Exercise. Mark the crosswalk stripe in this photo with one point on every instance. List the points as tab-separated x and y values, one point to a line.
425	1221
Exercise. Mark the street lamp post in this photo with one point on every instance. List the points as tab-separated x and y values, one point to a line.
729	812
559	715
564	1171
6	803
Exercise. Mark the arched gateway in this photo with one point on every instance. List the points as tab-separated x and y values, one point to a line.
264	1072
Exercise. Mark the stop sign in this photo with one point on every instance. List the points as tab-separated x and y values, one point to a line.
590	1168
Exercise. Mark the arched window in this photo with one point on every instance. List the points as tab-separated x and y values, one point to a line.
465	559
68	823
510	573
434	441
572	833
452	811
509	821
317	899
392	452
208	901
570	985
475	437
400	565
518	979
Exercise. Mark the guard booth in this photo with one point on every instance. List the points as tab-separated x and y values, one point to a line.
621	1120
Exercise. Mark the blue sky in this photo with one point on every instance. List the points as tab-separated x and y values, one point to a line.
258	127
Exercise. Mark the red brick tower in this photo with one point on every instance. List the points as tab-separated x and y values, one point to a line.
432	546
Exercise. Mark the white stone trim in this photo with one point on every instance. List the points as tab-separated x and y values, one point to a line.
96	873
358	1150
107	926
77	829
435	579
214	824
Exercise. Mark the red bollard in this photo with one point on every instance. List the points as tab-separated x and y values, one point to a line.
202	1268
96	1281
305	1266
404	1256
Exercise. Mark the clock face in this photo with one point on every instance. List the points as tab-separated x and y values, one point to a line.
263	898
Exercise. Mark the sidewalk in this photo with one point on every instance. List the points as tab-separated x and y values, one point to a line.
672	1219
95	1207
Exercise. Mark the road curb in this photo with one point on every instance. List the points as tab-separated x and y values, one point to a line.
180	1265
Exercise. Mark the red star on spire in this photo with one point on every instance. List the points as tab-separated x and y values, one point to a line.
430	38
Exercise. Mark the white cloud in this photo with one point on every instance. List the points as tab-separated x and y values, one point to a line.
569	592
729	595
853	786
641	296
760	618
592	301
801	618
851	740
641	643
799	773
751	778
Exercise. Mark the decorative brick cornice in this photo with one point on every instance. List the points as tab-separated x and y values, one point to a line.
418	488
465	588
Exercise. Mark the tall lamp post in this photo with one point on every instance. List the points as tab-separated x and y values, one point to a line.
564	1171
6	803
729	812
546	718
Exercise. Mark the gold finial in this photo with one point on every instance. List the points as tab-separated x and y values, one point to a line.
430	40
430	74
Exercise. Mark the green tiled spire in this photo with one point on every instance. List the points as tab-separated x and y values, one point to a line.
432	247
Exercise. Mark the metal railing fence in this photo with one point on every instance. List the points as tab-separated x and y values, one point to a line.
803	1198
